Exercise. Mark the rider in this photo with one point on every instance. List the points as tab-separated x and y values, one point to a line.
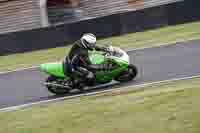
78	60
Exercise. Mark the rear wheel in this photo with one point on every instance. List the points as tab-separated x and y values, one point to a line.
128	75
53	86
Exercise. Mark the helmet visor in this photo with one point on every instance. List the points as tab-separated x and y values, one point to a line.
89	45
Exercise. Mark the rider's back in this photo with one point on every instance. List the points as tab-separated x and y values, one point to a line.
78	52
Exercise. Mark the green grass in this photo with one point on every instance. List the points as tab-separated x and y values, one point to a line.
163	108
150	38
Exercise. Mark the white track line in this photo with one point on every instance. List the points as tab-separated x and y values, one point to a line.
158	45
13	108
19	69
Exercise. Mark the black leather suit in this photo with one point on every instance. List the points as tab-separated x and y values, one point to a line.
78	60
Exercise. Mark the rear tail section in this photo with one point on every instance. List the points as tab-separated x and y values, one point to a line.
54	69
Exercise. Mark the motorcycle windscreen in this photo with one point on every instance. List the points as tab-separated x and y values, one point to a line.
55	69
96	58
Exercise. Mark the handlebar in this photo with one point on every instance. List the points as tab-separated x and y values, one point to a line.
113	53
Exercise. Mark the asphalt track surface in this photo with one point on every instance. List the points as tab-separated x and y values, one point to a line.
154	64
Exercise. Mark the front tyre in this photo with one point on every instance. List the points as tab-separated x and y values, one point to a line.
128	75
55	89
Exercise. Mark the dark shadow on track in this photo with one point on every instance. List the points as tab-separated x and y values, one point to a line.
108	86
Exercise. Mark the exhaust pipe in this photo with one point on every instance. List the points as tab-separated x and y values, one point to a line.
56	85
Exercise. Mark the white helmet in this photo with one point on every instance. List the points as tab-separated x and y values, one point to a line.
88	40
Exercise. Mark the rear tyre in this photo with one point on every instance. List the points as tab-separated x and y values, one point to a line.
128	75
54	89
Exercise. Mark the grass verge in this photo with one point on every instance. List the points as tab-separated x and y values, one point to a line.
171	107
149	38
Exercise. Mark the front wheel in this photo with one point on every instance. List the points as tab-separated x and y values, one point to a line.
128	75
54	85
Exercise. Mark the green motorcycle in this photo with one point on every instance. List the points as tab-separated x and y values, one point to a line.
122	71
